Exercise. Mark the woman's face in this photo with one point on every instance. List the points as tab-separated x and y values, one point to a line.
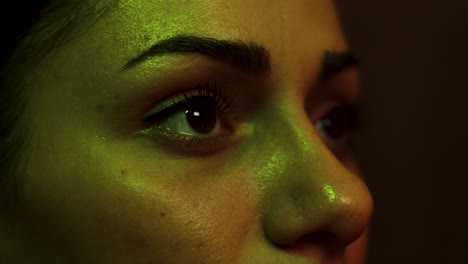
216	147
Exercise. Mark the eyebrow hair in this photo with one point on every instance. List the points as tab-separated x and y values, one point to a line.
247	57
334	62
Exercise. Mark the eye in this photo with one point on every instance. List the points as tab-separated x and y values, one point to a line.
200	117
337	122
193	117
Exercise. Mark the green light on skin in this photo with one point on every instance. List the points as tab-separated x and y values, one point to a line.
329	193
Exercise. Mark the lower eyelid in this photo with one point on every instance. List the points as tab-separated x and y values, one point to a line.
191	145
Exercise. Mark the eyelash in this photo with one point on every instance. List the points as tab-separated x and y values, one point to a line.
215	94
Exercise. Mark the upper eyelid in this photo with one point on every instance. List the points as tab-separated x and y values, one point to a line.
167	105
164	104
214	92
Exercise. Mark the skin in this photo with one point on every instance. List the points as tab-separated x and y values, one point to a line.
98	190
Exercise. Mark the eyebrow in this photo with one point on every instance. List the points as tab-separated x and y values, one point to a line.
247	57
334	62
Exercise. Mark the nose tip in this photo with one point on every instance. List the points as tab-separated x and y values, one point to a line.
349	215
334	222
326	206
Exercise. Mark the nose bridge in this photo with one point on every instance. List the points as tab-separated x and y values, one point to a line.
291	150
306	189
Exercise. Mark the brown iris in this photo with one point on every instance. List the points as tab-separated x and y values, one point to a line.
201	118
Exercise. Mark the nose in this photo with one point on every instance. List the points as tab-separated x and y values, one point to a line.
310	197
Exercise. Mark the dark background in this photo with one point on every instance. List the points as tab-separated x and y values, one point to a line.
414	63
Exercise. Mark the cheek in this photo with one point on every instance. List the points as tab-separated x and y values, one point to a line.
215	218
114	206
193	223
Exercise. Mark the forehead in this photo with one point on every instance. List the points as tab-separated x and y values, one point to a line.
294	26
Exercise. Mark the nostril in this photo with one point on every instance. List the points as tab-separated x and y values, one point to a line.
316	245
320	238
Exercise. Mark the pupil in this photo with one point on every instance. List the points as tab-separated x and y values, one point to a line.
202	119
